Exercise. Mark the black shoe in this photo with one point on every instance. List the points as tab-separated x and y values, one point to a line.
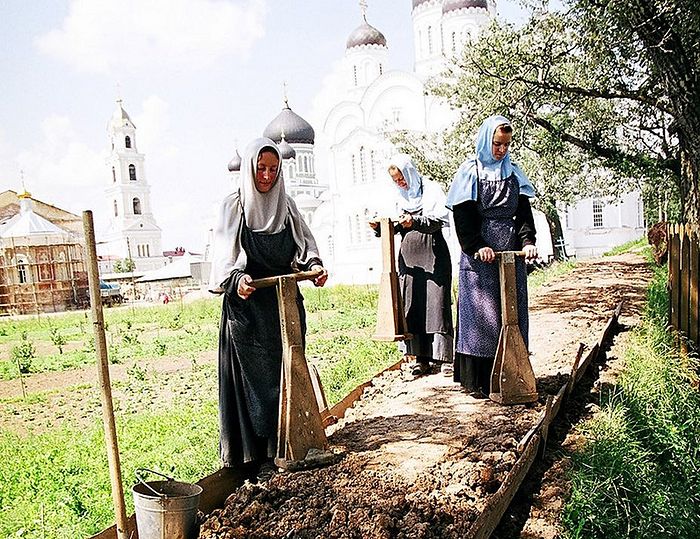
420	368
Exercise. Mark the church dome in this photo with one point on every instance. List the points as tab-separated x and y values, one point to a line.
286	151
456	5
365	34
296	130
234	165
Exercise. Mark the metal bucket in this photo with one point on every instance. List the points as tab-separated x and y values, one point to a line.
165	509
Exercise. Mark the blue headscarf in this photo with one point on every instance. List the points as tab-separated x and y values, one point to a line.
413	196
465	185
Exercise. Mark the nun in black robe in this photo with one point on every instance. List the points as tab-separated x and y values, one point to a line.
260	233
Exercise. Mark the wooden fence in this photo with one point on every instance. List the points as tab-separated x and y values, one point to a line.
684	280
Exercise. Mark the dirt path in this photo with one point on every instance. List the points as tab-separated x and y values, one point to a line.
419	457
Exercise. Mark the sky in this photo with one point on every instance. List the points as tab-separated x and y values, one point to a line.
199	78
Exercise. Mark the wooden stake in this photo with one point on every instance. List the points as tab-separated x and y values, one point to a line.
103	376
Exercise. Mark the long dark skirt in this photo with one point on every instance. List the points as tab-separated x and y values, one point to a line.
425	280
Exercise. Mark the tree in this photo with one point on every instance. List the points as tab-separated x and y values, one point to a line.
124	266
603	95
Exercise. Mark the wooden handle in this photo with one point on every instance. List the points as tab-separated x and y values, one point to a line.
299	276
499	253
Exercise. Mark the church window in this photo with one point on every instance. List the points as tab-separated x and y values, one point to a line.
640	213
369	232
354	74
381	69
397	115
116	211
358	228
363	165
114	175
132	173
373	165
430	40
45	267
354	169
568	217
148	250
597	214
420	40
311	164
22	270
127	141
454	42
137	206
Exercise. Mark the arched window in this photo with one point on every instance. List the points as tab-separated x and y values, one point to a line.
23	271
381	69
116	211
372	165
137	206
363	165
454	42
148	250
331	246
430	40
114	175
354	169
354	74
127	141
132	173
369	232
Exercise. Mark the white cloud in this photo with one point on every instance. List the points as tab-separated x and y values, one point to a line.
135	35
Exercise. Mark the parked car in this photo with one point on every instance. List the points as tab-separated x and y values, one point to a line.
111	293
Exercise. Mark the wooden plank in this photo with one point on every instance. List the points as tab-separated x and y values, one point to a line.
574	367
694	307
673	275
267	282
493	512
684	284
586	362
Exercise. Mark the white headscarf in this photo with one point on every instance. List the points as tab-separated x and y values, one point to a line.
413	195
267	213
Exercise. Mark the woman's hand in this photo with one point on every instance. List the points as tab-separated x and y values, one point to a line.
485	254
406	220
321	279
530	252
244	287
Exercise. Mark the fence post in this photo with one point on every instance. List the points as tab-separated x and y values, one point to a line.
694	278
673	277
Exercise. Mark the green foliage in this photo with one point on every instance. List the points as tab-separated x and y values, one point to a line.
23	354
56	485
639	474
124	266
594	98
58	339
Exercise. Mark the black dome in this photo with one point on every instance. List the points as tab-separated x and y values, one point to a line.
286	151
455	5
365	34
234	165
296	130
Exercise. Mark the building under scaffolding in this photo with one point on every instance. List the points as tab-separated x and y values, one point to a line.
42	265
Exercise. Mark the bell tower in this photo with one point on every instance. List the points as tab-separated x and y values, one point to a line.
132	232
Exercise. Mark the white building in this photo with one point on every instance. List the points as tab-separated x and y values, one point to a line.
593	226
132	232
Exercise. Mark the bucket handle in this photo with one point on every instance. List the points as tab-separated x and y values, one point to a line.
139	471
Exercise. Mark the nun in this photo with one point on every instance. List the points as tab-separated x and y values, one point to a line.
490	201
260	233
424	267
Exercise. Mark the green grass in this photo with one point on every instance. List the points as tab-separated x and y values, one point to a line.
638	475
629	246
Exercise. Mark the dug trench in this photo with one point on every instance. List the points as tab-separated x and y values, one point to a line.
420	458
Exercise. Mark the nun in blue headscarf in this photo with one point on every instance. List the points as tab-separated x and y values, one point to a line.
424	268
490	201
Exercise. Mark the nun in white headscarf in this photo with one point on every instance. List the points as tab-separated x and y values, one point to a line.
260	233
425	270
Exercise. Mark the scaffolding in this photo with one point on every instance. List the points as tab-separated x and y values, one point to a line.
41	274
